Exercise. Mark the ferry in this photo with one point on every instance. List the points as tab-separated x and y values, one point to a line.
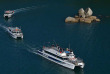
65	58
8	14
15	32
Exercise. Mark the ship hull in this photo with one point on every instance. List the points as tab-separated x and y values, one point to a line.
55	60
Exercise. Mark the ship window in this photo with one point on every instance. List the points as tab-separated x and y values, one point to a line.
19	32
59	57
50	53
54	55
64	58
13	32
7	13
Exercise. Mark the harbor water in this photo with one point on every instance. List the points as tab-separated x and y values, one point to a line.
43	22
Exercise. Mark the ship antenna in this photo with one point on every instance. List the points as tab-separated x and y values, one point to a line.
55	42
69	46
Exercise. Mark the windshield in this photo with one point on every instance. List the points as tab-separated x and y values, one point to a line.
65	58
17	32
8	12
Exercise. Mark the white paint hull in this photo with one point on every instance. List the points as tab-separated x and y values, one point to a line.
56	60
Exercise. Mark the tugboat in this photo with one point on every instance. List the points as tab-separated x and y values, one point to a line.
65	58
8	14
15	32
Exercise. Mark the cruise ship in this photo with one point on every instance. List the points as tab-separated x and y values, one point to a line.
65	58
15	32
8	14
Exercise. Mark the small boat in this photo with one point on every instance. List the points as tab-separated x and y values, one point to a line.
8	14
15	32
56	54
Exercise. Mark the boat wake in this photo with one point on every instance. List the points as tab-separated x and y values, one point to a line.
3	27
2	30
29	47
26	9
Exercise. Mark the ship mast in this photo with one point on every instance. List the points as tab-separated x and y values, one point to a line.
69	46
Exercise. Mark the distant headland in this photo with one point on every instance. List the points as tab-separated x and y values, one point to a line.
84	16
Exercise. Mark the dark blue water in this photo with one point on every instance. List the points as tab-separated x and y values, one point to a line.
43	21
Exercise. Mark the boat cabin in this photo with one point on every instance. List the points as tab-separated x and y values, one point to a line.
58	52
15	30
9	12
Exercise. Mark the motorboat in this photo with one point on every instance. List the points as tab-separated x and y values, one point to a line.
8	14
15	32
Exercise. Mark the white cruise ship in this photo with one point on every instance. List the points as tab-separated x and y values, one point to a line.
65	58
